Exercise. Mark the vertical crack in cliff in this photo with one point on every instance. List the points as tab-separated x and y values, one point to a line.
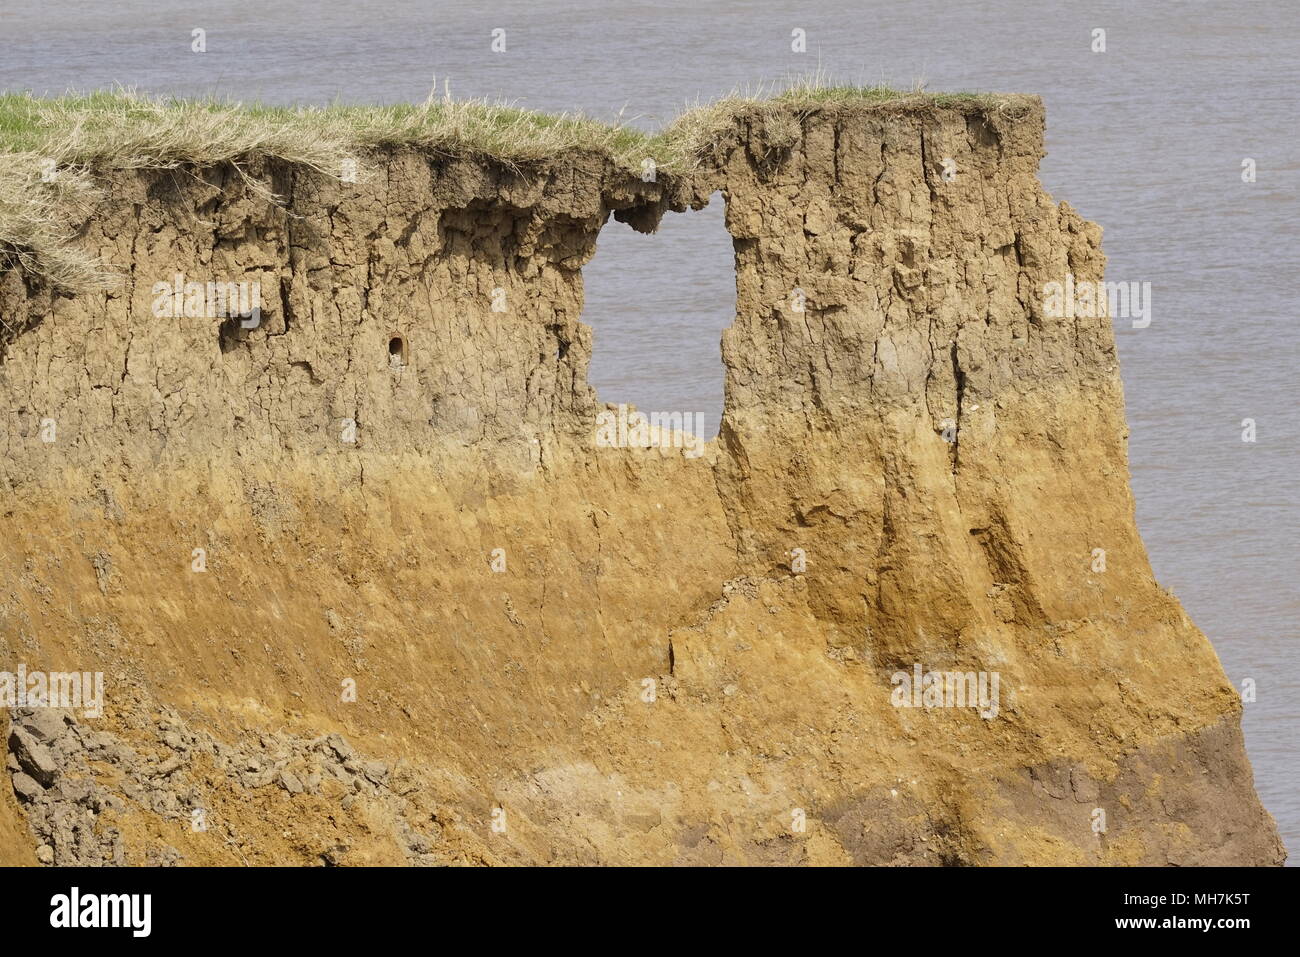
884	168
926	174
959	377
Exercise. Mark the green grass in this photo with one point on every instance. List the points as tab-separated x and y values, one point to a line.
123	130
78	134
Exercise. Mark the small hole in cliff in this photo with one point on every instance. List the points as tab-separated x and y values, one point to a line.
396	352
657	305
228	335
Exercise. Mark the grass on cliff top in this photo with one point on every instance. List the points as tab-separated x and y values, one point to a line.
122	129
49	146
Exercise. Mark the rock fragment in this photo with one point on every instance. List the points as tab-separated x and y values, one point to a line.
33	757
26	787
290	782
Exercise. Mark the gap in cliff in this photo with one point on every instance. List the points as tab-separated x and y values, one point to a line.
657	304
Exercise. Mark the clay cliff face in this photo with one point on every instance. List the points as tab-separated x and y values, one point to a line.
567	652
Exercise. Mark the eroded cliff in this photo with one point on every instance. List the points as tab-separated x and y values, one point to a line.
568	652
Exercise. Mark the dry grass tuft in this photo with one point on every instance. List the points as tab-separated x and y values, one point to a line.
72	136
